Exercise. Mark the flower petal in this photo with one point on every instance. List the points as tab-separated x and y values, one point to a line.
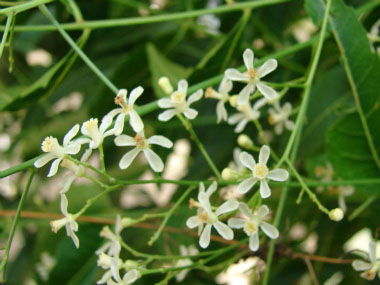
193	222
221	112
245	210
67	184
204	200
135	121
211	189
246	185
263	211
154	160
54	167
243	97
278	174
224	230
264	154
124	140
160	140
247	160
167	115
182	86
43	160
73	236
204	240
360	265
226	207
267	91
372	251
135	93
235	75
235	118
119	124
289	125
236	223
127	158
165	103
72	148
196	96
267	67
248	58
64	204
225	86
130	277
264	189
68	137
254	242
269	230
241	126
190	113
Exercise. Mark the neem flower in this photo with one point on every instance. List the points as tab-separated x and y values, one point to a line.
370	268
223	96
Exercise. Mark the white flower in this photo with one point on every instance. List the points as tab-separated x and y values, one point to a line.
76	170
370	268
247	113
68	221
278	116
252	223
223	97
112	247
252	77
128	278
260	172
96	134
336	214
142	144
206	216
46	264
127	108
178	103
56	151
191	250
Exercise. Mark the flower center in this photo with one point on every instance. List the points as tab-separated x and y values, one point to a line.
178	97
252	73
260	171
140	141
369	274
250	227
203	217
92	128
272	119
50	144
120	101
207	218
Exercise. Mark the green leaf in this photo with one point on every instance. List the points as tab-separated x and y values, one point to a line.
315	9
363	72
161	66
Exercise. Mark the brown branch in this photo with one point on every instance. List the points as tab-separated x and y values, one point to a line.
322	258
311	271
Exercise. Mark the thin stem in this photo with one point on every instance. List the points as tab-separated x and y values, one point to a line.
362	207
77	49
3	265
5	34
10	45
22	7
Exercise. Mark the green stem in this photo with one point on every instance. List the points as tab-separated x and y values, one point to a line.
77	49
3	265
22	7
362	207
10	45
169	214
5	34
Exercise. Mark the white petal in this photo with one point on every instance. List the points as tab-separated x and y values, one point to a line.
195	97
131	276
54	167
278	174
106	276
225	86
264	154
68	137
289	125
279	128
243	97
248	58
236	75
235	118
204	240
221	111
182	86
247	160
204	200
86	155
224	230
245	210
190	113
135	121
43	160
73	236
154	160
127	158
263	211
64	204
269	230
246	185
236	223
72	148
167	115
115	267
136	93
267	91
241	126
112	114
119	124
254	242
160	140
211	189
264	189
67	184
165	103
260	103
372	251
193	222
226	207
267	67
124	140
360	265
106	122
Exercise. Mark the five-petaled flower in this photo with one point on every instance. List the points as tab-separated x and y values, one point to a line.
370	268
112	246
178	103
223	96
252	77
94	133
142	144
206	216
279	116
260	172
251	224
56	151
247	114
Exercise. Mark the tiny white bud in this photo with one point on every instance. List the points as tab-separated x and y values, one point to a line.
233	100
336	215
229	174
245	142
165	85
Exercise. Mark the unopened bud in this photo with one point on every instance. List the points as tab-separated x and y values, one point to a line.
336	214
234	100
245	142
165	85
126	222
229	175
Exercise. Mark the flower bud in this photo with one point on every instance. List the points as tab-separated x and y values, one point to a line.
233	100
336	215
165	85
229	175
126	222
245	142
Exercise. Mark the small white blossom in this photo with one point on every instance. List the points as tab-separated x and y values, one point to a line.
251	224
56	151
252	77
260	172
370	268
68	221
247	114
184	251
178	103
223	96
206	216
127	108
112	246
336	214
96	134
46	264
278	116
142	144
